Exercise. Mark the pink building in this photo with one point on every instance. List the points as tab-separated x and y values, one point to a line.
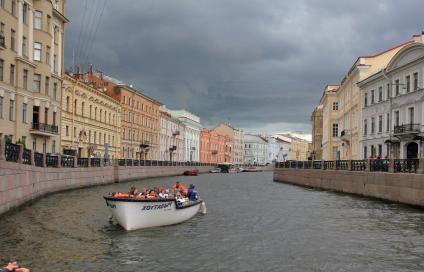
214	148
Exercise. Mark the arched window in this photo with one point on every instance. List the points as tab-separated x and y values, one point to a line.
100	115
91	108
75	106
67	103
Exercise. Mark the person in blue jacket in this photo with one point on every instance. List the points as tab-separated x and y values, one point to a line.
192	193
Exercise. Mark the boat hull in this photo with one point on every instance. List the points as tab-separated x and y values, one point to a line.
134	214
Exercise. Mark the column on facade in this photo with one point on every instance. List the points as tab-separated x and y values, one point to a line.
59	55
20	26
52	27
31	33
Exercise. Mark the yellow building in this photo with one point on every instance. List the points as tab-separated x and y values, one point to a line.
342	113
91	121
316	145
31	65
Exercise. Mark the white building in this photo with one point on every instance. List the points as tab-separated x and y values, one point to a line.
255	149
192	126
171	138
393	107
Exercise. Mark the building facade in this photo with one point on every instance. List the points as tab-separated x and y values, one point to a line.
330	129
139	117
31	65
214	148
237	138
299	148
317	126
191	133
91	121
171	138
347	123
255	148
393	112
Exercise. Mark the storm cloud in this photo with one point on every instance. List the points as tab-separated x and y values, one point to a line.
261	65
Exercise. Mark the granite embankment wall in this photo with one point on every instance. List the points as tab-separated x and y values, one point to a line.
20	183
398	187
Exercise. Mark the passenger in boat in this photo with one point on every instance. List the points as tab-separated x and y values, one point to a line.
192	193
163	193
180	199
133	191
178	186
13	267
143	192
152	194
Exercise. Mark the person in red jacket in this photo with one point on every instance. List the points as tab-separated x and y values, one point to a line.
180	187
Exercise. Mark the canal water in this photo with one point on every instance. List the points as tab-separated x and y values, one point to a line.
253	224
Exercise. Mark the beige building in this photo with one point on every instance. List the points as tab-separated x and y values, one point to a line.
345	127
237	137
31	65
329	107
91	121
139	117
316	145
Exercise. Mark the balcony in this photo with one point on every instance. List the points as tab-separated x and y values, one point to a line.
408	130
44	129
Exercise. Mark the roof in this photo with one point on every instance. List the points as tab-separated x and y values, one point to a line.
250	138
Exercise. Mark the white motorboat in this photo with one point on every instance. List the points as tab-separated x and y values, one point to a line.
136	213
215	170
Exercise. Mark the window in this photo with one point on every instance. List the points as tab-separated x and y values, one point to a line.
408	84
82	108
380	124
25	80
372	97
365	127
366	99
67	130
372	125
388	122
47	85
95	137
14	7
100	138
75	132
48	55
415	81
67	103
396	118
55	91
38	19
91	108
2	3
380	150
24	49
397	92
1	107
335	106
12	74
24	112
54	119
13	39
411	115
335	130
1	69
37	83
37	51
388	91
53	146
75	106
25	13
11	110
55	63
380	94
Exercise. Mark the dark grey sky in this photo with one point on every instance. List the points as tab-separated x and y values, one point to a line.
260	65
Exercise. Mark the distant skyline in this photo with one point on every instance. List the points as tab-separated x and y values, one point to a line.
260	65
